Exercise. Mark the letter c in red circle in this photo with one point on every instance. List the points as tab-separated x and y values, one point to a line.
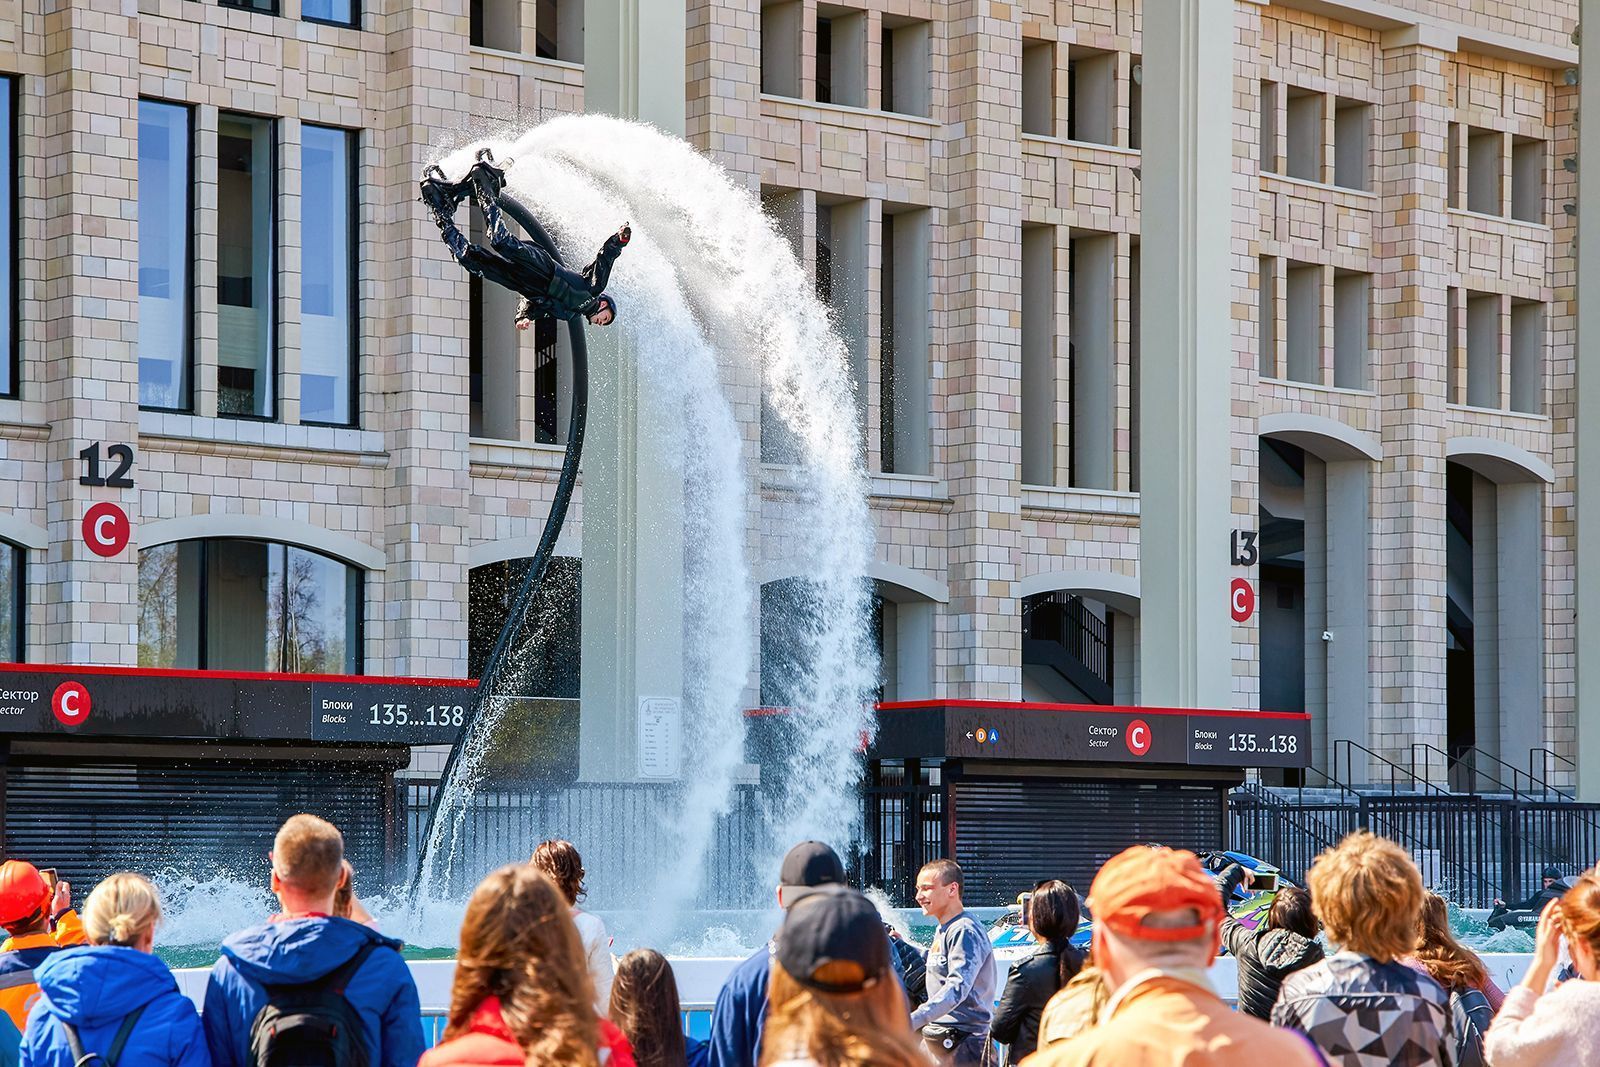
1138	737
71	703
1242	600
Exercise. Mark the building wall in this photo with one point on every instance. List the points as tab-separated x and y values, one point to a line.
409	483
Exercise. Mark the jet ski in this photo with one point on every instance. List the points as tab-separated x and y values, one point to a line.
1504	918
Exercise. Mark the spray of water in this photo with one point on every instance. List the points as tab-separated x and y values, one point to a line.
713	301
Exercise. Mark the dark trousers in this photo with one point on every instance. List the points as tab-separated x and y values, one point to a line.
973	1051
518	265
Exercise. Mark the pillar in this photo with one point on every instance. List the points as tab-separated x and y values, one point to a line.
1185	386
1587	354
1520	568
634	60
1349	551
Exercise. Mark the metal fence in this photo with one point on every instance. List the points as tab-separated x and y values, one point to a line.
504	824
1474	848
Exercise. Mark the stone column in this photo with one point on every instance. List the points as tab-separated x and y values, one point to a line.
634	68
1587	422
1187	265
82	119
1349	550
420	623
982	244
1417	249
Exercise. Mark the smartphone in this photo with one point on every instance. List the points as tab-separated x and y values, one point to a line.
1025	901
50	877
1264	882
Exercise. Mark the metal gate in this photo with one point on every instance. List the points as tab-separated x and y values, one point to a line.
88	820
1012	832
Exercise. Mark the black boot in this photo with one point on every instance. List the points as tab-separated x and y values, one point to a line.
488	176
440	196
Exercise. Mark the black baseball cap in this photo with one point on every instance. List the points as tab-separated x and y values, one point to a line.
832	940
810	864
1553	872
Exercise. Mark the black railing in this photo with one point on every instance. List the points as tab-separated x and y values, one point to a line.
1399	778
1474	849
1064	620
904	821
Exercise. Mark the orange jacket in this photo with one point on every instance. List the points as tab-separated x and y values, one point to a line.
20	956
1164	1021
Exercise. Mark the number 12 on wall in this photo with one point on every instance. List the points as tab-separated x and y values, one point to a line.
119	478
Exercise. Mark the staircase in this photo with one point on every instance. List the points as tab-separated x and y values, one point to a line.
1061	633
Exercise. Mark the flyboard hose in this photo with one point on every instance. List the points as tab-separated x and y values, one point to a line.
475	722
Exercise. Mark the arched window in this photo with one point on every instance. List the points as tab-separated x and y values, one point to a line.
248	606
13	599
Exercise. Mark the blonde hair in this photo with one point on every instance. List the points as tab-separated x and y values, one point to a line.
121	910
308	853
871	1028
1368	894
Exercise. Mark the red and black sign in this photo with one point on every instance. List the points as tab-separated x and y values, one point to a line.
983	729
139	703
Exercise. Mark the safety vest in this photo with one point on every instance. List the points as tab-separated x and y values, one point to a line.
21	956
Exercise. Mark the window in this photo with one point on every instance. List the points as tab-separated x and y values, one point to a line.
1136	103
904	349
841	57
558	30
495	24
1091	95
328	314
165	334
1091	282
337	12
494	355
1038	356
1039	88
246	261
904	63
1527	355
1483	350
1484	151
780	47
248	606
1351	118
13	602
1267	150
1453	165
1527	179
1267	316
1305	135
1304	335
1351	328
10	350
549	666
1452	346
266	7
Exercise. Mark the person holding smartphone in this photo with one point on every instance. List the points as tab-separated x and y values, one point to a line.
36	911
1539	1028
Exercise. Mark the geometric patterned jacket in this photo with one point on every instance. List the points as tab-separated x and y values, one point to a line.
1362	1013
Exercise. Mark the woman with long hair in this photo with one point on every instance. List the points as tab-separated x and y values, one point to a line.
113	993
1537	1028
1474	998
1052	915
522	993
644	1005
833	1000
562	864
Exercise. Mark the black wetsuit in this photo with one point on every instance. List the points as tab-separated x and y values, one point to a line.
548	289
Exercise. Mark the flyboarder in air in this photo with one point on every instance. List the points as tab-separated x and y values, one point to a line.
548	289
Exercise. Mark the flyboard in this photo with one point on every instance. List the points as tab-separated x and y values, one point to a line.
476	723
1503	918
1012	939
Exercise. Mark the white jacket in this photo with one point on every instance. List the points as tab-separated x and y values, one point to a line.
597	950
1559	1029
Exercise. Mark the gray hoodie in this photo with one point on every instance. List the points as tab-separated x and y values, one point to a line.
961	978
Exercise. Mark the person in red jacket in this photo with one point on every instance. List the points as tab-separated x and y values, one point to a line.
522	995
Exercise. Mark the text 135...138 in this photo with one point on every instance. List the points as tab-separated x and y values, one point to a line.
402	715
1263	743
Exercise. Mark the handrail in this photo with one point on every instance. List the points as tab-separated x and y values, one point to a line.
1545	756
1470	755
1348	748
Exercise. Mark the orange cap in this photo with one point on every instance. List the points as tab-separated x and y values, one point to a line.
1142	880
23	892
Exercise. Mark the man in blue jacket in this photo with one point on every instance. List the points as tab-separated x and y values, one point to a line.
306	943
741	1008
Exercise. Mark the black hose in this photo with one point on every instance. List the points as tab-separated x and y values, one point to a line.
517	617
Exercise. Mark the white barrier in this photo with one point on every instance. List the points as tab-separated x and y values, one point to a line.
699	978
